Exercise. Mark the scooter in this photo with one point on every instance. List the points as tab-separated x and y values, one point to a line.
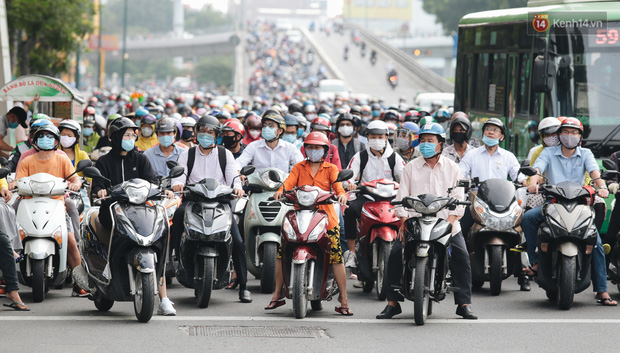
566	239
373	57
426	252
497	215
42	228
262	224
206	244
393	79
306	247
123	264
378	227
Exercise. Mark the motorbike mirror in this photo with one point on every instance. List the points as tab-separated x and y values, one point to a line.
525	163
464	183
610	174
3	161
176	172
249	169
83	164
171	164
608	164
344	175
529	171
274	176
92	172
4	172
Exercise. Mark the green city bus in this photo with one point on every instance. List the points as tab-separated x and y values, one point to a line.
551	58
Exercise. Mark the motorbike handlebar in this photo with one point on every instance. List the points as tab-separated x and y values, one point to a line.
396	203
464	203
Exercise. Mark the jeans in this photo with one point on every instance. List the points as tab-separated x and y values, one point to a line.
533	218
7	263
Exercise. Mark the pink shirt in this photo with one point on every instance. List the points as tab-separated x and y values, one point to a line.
419	178
32	151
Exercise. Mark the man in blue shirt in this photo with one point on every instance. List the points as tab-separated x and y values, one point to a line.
167	150
568	162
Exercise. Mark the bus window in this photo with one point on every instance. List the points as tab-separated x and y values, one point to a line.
481	82
497	83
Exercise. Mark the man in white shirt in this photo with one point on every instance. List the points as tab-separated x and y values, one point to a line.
206	161
432	174
270	152
376	161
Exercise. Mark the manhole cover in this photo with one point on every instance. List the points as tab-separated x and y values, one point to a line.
255	331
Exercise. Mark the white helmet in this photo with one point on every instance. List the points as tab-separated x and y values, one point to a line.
548	126
185	122
377	127
71	125
176	116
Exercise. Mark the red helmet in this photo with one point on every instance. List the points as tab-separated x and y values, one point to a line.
253	122
459	114
90	111
561	119
572	122
412	115
316	138
93	100
235	125
320	123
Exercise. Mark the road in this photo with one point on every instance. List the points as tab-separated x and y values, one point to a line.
363	77
512	322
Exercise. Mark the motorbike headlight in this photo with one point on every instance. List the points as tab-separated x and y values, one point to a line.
307	198
287	229
432	208
385	190
320	228
137	195
41	187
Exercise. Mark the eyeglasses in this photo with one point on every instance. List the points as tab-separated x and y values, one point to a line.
130	136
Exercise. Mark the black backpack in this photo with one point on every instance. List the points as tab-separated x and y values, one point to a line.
191	158
364	161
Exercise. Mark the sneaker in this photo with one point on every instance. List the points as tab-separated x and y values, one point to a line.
350	259
78	292
2	292
353	276
80	277
166	307
358	284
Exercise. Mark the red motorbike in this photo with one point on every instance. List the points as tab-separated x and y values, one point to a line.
377	230
306	247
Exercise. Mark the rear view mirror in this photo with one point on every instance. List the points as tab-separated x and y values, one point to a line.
464	184
3	161
4	172
608	164
92	172
83	164
274	176
543	73
344	175
249	169
171	164
525	163
529	171
176	172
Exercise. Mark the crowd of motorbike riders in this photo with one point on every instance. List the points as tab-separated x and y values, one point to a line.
425	152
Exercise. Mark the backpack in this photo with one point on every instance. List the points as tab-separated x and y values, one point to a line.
364	160
191	158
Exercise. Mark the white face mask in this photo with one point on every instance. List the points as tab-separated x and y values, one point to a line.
377	144
346	131
67	141
147	131
255	133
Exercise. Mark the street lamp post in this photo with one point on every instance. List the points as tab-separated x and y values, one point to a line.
124	58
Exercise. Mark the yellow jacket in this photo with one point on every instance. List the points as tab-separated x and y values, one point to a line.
79	155
144	143
3	183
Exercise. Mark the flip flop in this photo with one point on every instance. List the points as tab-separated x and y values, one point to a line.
529	271
275	304
606	302
344	310
233	284
17	306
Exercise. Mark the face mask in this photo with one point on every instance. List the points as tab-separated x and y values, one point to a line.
268	133
533	136
219	140
158	116
377	144
187	135
428	149
67	141
128	145
45	143
300	132
489	141
402	144
229	141
200	105
205	140
180	105
87	131
376	113
551	141
289	138
345	131
166	140
570	141
459	137
13	125
315	155
310	117
146	131
365	118
254	133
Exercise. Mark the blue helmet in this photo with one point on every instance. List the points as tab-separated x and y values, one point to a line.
141	112
412	130
434	129
291	120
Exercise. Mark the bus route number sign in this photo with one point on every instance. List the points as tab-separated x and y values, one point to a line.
607	36
540	22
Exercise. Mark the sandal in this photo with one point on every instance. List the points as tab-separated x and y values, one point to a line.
607	301
233	284
17	306
344	310
275	304
529	271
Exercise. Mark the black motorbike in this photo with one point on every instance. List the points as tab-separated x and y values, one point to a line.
206	244
393	79
123	264
427	242
373	57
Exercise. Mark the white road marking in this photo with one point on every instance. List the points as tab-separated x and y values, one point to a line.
212	319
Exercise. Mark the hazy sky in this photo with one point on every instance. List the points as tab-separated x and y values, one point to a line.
221	5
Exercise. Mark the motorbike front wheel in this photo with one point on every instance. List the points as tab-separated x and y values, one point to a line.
268	271
566	282
204	283
421	285
495	268
144	298
299	290
381	276
38	280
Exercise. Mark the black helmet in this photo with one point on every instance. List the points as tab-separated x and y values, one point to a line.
464	122
295	107
89	120
120	124
210	122
274	116
496	122
344	116
223	114
49	128
165	125
148	119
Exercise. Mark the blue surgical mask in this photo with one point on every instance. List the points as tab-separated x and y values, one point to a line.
300	132
13	125
489	141
205	140
289	138
428	149
376	113
219	140
158	116
268	133
45	143
166	140
87	131
128	145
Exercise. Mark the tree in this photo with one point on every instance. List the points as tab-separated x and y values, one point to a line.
217	69
450	12
205	18
44	33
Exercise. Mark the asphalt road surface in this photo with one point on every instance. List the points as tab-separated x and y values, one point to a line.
512	322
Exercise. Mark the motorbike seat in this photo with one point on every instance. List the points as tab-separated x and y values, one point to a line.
102	233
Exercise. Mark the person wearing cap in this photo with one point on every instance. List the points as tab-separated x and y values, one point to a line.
567	162
270	152
147	138
292	127
432	174
460	134
406	141
167	149
253	128
15	117
70	133
37	121
90	135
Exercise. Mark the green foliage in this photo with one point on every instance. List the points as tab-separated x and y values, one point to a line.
217	69
450	12
44	33
205	18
